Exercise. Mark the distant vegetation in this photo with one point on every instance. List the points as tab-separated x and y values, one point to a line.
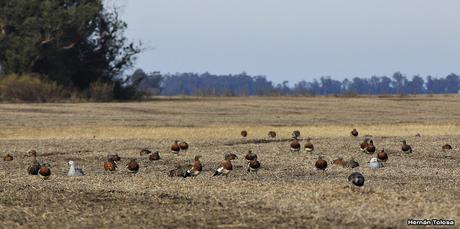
244	85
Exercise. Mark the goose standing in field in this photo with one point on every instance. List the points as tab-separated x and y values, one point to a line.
244	133
370	148
226	167
155	156
196	169
375	164
356	179
446	147
295	134
132	166
183	146
295	146
405	147
34	168
175	148
45	172
321	164
250	156
8	157
253	165
309	146
382	156
271	134
74	171
110	165
354	133
363	144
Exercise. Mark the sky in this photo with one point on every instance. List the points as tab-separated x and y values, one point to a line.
297	39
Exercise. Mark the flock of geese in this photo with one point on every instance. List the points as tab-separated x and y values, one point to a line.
253	165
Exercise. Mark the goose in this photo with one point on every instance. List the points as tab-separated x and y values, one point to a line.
196	169
244	133
175	148
354	133
250	156
113	157
110	165
183	146
253	165
155	156
363	144
321	164
145	152
339	162
230	156
352	163
295	146
44	172
8	157
356	179
405	147
132	166
375	164
309	146
225	168
34	168
370	148
295	134
271	134
74	171
382	156
446	147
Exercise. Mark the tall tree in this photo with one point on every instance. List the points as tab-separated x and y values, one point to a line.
73	42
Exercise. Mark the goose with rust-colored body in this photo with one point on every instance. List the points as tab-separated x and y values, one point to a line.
45	171
110	165
321	164
253	165
132	166
196	169
382	156
363	144
175	148
250	156
370	148
295	146
155	156
309	146
183	146
226	167
244	133
271	134
446	147
405	147
354	133
8	157
339	162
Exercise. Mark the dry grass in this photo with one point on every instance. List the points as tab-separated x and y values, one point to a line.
287	191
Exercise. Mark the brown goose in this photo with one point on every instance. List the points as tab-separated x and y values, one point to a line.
250	156
321	164
110	166
352	163
405	147
244	133
155	156
446	147
309	146
183	146
8	157
175	148
113	157
132	166
45	171
370	148
363	144
354	133
253	165
382	156
196	169
145	152
230	156
225	168
339	162
295	146
272	134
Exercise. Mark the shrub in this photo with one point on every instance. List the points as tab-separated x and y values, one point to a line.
101	91
29	88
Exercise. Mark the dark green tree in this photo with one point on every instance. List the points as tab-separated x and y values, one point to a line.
72	42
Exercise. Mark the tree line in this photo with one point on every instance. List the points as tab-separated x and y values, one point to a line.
206	84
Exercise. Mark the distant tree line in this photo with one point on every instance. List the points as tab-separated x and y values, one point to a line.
206	84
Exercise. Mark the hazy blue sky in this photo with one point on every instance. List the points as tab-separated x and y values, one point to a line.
297	39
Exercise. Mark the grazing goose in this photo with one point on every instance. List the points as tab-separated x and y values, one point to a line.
356	179
132	166
295	146
155	156
339	162
175	148
405	147
8	157
250	156
196	169
363	144
370	148
253	165
375	164
271	134
295	134
110	165
74	171
382	156
35	166
113	157
44	172
354	133
309	146
321	164
226	166
145	152
446	147
244	133
352	163
183	146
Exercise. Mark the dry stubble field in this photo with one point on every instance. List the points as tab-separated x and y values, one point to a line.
287	192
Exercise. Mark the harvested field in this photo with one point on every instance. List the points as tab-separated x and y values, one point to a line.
286	192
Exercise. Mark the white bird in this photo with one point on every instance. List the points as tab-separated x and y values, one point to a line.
74	171
375	164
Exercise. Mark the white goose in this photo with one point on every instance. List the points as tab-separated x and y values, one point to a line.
74	171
